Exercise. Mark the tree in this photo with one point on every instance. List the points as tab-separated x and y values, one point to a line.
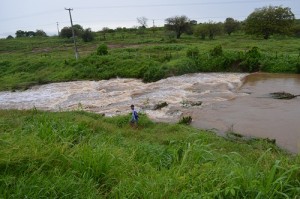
143	25
20	33
40	33
270	20
201	31
210	29
213	29
87	35
66	32
178	24
193	22
191	28
78	29
142	21
296	28
231	25
30	34
9	37
104	31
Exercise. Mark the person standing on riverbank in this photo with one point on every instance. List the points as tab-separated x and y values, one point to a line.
134	117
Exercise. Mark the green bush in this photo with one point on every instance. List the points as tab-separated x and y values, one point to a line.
185	120
87	35
30	61
298	68
252	60
153	73
283	64
192	52
217	51
102	49
4	66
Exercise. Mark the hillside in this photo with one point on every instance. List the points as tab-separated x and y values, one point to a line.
149	56
84	155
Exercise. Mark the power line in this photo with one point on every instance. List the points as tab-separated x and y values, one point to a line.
122	20
30	15
127	20
57	29
178	4
140	6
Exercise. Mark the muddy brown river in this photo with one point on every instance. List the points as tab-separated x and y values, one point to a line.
229	101
257	114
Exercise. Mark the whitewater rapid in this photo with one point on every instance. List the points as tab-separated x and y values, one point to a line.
114	97
220	102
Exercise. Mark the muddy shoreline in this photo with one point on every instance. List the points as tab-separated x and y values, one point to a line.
219	101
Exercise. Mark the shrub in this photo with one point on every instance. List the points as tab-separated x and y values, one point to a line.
102	49
160	105
153	73
171	36
185	120
166	58
192	52
87	35
298	68
216	51
4	65
183	66
251	62
9	37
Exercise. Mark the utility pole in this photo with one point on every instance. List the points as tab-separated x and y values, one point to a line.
57	29
73	33
153	27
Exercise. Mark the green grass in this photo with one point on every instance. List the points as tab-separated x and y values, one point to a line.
84	155
30	61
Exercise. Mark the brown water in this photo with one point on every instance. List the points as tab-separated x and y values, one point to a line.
256	114
229	101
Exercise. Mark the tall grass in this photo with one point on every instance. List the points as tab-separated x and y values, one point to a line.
150	56
83	155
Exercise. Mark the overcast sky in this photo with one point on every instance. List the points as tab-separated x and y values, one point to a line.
96	14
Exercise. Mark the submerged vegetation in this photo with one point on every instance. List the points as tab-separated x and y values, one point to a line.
283	95
84	155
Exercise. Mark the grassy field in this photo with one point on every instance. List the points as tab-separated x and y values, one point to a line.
151	56
84	155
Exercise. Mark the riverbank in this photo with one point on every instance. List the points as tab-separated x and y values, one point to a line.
223	102
80	154
25	62
257	114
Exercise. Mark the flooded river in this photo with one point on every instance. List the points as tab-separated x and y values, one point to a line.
257	114
230	101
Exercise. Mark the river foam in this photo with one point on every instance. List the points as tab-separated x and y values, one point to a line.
113	97
219	101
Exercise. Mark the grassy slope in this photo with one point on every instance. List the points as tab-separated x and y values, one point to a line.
83	155
29	61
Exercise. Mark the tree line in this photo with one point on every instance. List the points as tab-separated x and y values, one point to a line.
262	22
37	33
